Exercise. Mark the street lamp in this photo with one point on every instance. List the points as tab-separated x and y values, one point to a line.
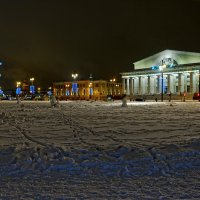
161	69
117	86
91	89
67	89
74	85
18	90
32	79
74	76
112	81
18	84
32	89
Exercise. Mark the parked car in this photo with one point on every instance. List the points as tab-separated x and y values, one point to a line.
29	97
39	98
140	99
196	96
7	97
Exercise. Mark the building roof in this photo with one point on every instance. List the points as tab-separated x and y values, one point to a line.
180	57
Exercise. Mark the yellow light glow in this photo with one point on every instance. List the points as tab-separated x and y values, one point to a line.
18	83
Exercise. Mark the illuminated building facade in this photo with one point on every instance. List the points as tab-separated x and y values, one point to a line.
86	89
175	72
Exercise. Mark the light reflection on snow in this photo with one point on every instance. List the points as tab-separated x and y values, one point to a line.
99	141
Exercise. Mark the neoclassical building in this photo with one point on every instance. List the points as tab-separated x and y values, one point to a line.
169	71
85	89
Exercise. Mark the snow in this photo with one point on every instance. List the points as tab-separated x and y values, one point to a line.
99	150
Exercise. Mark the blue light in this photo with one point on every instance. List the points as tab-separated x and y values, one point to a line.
18	91
1	92
155	67
49	93
74	87
32	89
67	93
91	91
172	65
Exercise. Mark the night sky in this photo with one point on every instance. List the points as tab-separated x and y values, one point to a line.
49	39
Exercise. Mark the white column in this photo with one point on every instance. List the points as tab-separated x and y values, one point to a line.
149	85
140	85
191	82
123	86
145	85
168	83
131	86
196	79
136	85
173	83
152	85
158	84
127	86
180	82
185	82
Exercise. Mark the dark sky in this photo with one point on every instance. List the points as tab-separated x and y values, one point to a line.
49	39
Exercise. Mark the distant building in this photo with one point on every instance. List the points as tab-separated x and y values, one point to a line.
168	71
86	89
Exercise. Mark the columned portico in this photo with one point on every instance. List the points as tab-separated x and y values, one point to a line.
180	72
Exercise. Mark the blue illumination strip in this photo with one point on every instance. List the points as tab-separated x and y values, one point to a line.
74	87
32	89
67	92
155	67
18	91
1	92
49	93
91	91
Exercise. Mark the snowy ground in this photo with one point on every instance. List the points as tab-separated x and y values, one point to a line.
100	150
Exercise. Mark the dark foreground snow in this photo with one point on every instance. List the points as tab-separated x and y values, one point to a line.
99	150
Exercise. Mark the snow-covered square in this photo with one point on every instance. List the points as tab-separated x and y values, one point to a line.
99	150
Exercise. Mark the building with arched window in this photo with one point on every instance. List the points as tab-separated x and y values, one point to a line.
169	71
86	89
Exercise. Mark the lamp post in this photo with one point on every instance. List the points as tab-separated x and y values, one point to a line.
32	89
161	69
91	86
49	91
74	85
32	79
18	84
112	81
117	86
67	90
90	89
18	90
